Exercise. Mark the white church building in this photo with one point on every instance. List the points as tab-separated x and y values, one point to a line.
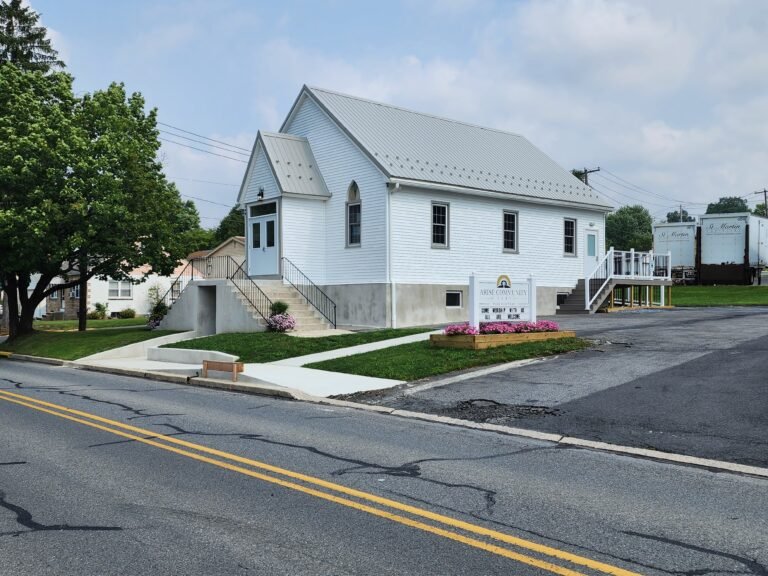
388	211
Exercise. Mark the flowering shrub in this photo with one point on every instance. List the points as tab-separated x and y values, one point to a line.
455	329
281	322
503	328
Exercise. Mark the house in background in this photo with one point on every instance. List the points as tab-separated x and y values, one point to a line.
389	211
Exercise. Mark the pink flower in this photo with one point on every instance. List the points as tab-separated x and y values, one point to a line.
281	322
457	329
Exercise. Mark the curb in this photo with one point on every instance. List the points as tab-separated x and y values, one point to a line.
266	389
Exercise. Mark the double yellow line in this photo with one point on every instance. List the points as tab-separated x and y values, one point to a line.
444	526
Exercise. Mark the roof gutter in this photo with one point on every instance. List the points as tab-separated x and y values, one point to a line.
397	182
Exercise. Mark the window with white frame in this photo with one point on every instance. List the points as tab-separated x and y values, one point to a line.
510	231
440	225
74	292
120	289
54	295
354	215
569	237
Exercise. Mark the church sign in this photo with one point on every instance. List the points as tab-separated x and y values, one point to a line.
501	300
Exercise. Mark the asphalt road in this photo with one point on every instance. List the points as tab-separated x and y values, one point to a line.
209	482
689	381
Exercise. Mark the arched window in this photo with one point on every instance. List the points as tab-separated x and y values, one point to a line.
354	215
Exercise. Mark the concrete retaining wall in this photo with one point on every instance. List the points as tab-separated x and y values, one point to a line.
184	356
139	350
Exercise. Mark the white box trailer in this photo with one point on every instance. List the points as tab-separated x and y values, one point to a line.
679	239
733	247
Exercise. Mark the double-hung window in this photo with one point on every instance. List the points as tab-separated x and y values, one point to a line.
510	231
569	237
120	289
74	292
354	215
440	225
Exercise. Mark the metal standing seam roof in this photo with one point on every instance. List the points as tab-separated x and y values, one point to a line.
413	146
294	164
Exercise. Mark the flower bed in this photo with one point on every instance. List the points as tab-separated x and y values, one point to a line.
493	334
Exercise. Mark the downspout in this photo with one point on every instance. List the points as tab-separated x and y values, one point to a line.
392	287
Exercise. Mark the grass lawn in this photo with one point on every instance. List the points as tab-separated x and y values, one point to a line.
74	345
720	295
271	346
92	324
419	360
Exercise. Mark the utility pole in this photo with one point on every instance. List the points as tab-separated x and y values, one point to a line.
587	172
764	192
681	212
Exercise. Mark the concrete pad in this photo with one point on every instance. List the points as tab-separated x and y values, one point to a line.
187	356
316	382
139	365
352	350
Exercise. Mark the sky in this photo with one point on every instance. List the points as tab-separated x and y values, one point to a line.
669	99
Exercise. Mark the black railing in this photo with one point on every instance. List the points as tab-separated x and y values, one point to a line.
311	292
250	291
219	268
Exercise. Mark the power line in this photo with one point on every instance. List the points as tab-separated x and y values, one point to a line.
629	185
203	181
203	143
600	187
204	200
201	150
206	137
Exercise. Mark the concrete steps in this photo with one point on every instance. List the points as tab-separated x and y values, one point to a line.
307	318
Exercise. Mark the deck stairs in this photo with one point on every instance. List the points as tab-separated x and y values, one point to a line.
574	303
618	269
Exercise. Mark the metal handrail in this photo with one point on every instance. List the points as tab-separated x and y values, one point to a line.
318	299
178	285
250	290
625	265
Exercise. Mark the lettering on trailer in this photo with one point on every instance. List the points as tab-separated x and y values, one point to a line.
675	236
725	228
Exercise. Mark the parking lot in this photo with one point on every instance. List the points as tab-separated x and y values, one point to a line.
690	381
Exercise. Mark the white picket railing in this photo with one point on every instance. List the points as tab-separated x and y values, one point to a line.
625	265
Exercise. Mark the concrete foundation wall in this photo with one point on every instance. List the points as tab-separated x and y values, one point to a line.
365	305
211	307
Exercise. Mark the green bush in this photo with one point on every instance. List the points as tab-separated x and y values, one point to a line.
278	307
127	313
160	309
100	311
94	315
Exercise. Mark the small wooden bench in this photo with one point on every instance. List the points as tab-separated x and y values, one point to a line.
234	367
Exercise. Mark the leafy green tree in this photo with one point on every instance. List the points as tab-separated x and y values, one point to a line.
24	43
629	227
760	210
728	205
193	236
675	216
81	190
233	224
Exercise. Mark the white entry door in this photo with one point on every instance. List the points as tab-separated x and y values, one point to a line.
591	255
263	248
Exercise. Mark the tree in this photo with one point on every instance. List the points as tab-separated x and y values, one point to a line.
193	236
675	216
81	189
24	43
760	210
233	224
629	227
728	205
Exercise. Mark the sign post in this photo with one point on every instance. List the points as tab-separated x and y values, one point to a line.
501	300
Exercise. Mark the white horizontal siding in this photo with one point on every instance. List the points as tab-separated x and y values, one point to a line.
340	162
303	237
476	240
261	176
